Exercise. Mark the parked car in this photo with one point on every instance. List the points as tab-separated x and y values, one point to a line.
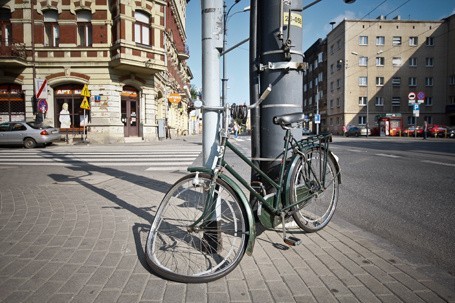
437	130
451	132
28	134
355	131
411	130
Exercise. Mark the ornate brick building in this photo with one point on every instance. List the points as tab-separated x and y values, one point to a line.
131	55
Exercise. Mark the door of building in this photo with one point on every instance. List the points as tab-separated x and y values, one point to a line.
130	111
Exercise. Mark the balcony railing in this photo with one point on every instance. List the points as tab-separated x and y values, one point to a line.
12	50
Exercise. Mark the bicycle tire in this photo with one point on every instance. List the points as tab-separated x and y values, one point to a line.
199	256
316	187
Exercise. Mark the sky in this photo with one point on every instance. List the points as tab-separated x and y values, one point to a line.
316	24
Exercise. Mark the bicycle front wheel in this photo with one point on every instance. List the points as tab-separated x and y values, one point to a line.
314	184
199	234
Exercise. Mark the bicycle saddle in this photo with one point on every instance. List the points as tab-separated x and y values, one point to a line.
289	119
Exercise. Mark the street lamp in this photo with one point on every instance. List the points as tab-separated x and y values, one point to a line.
368	98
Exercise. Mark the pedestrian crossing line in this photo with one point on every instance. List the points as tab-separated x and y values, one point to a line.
156	161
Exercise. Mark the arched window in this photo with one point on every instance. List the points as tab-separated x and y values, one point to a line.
84	28
51	29
142	28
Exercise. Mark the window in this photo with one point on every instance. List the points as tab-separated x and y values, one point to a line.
412	120
331	49
142	28
315	64
5	27
429	61
396	61
412	81
380	61
363	81
379	101
452	80
331	68
338	83
380	40
396	101
84	28
363	61
413	41
362	101
379	81
363	40
331	103
338	102
51	28
339	44
304	88
428	81
396	81
320	57
413	61
321	77
331	86
362	120
428	101
429	119
429	41
396	40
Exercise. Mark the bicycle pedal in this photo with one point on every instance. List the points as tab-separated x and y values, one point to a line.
292	241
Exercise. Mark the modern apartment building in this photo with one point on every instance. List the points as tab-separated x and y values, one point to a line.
373	66
315	84
130	54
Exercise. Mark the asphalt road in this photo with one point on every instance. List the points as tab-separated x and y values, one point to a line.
401	189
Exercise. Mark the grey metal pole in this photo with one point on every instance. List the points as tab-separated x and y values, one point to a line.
212	44
280	65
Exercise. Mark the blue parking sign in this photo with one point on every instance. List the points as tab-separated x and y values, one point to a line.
416	106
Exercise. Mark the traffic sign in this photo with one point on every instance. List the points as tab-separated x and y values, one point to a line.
42	106
420	96
412	96
317	118
85	104
41	88
416	106
85	92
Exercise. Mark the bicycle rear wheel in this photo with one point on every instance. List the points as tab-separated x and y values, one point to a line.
193	239
314	183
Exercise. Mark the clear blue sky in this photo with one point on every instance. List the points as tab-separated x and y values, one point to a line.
316	24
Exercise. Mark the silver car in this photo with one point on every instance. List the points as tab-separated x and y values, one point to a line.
28	134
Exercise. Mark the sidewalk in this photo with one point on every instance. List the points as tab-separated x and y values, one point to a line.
69	238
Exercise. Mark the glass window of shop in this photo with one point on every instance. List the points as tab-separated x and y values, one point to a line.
12	103
71	95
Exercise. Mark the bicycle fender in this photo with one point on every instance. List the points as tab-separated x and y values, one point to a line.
244	201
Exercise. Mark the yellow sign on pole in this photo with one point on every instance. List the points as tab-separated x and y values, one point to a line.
85	92
85	104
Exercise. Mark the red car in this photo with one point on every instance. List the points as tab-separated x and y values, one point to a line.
437	130
411	130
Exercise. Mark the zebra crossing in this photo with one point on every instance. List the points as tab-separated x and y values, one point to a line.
150	160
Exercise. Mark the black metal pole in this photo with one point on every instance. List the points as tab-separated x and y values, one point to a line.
280	55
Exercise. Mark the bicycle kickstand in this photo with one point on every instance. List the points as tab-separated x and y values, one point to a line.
291	241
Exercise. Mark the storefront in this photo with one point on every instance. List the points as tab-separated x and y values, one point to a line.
12	103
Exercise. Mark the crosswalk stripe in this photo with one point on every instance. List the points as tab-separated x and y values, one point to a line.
159	160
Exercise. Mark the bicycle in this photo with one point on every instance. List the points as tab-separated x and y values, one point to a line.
205	223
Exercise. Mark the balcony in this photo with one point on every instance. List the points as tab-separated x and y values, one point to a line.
185	54
12	54
137	58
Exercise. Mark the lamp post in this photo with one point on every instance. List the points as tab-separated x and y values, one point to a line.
368	98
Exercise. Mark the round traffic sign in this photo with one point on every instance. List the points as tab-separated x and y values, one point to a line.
411	96
42	106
